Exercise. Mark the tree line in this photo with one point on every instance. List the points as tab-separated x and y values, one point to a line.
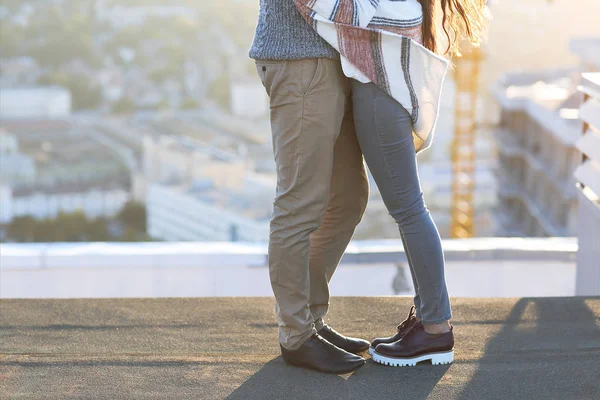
129	225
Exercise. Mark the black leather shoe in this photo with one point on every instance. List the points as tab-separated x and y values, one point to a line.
416	346
320	355
402	329
351	345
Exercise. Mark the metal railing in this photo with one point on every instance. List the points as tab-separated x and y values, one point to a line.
588	181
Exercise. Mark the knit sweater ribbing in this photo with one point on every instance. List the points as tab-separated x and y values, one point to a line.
282	34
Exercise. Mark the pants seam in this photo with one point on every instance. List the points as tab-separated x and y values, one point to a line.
293	193
413	274
377	131
295	190
298	162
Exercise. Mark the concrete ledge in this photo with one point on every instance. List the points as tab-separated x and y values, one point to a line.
223	254
501	268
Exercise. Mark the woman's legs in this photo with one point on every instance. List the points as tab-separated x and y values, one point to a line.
416	299
384	131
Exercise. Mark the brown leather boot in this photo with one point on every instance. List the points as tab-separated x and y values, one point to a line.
416	346
408	323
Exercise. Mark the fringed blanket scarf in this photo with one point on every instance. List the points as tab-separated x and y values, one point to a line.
380	41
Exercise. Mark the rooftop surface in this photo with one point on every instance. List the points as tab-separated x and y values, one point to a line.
217	348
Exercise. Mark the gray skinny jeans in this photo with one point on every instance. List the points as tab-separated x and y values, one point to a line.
384	131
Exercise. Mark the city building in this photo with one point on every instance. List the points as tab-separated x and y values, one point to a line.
121	16
15	166
34	102
94	199
20	15
536	140
53	166
18	71
198	189
537	156
200	212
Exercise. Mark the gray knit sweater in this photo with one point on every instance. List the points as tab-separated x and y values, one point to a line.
282	34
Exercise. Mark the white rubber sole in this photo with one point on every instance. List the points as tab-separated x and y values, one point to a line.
446	357
371	351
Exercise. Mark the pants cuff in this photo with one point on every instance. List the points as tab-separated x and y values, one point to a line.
293	343
437	321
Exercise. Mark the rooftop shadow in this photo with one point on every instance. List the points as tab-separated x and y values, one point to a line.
554	356
276	380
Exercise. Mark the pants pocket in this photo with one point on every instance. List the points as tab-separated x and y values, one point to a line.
309	74
267	71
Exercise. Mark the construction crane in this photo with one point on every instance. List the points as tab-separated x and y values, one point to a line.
466	77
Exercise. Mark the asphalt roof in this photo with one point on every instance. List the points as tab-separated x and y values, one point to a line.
217	348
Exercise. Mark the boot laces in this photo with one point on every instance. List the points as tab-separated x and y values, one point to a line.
410	320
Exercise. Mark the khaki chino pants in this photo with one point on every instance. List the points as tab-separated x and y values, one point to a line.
322	188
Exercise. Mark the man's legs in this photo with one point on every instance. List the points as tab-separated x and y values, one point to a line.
348	197
308	99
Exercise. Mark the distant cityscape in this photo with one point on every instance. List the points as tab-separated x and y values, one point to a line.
111	122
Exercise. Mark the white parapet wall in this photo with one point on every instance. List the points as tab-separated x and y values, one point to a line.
492	267
588	178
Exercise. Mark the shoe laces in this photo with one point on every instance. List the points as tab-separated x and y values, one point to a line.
410	320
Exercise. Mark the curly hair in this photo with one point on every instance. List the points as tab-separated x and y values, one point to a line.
461	20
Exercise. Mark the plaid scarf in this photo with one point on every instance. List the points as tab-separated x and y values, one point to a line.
385	51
